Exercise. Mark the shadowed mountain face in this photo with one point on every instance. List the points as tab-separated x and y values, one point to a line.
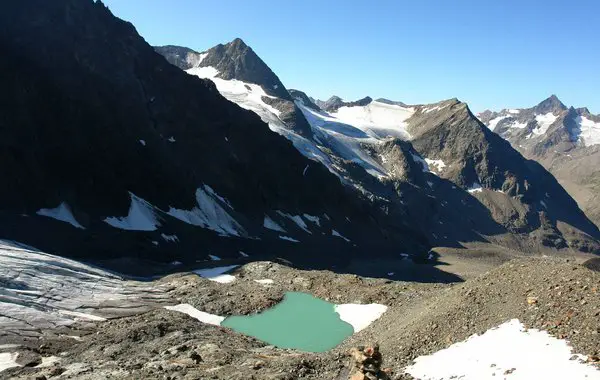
109	151
435	166
564	140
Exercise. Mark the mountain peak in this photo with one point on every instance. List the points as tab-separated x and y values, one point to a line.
236	60
238	42
551	104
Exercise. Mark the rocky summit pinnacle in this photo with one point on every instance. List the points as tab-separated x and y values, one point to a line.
551	104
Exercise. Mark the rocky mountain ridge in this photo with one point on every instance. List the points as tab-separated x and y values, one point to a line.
565	140
403	157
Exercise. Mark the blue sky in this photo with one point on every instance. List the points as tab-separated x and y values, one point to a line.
489	53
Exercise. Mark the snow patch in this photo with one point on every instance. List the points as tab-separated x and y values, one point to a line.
244	254
62	213
475	188
337	234
217	274
171	139
289	239
494	122
360	316
203	317
143	142
514	111
544	122
214	258
8	360
527	353
141	216
209	214
518	125
82	316
304	171
270	224
266	281
314	219
438	164
296	219
171	238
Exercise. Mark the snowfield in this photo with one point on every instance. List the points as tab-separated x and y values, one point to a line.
378	119
509	351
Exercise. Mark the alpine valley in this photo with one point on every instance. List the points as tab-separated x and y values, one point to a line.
150	193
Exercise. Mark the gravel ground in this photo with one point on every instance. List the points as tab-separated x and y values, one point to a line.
556	295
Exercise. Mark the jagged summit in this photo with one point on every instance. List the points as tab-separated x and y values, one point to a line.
233	60
551	104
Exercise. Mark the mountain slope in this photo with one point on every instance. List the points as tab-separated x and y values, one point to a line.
418	163
564	140
237	61
111	152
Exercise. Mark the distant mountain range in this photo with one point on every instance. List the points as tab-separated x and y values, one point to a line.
434	166
566	140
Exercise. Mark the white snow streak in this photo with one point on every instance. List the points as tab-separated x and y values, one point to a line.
296	219
203	317
528	354
209	214
337	234
289	239
494	122
171	238
266	281
314	219
62	213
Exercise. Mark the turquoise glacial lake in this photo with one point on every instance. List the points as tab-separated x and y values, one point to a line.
301	321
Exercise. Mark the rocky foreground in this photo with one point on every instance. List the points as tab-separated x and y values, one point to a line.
556	295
